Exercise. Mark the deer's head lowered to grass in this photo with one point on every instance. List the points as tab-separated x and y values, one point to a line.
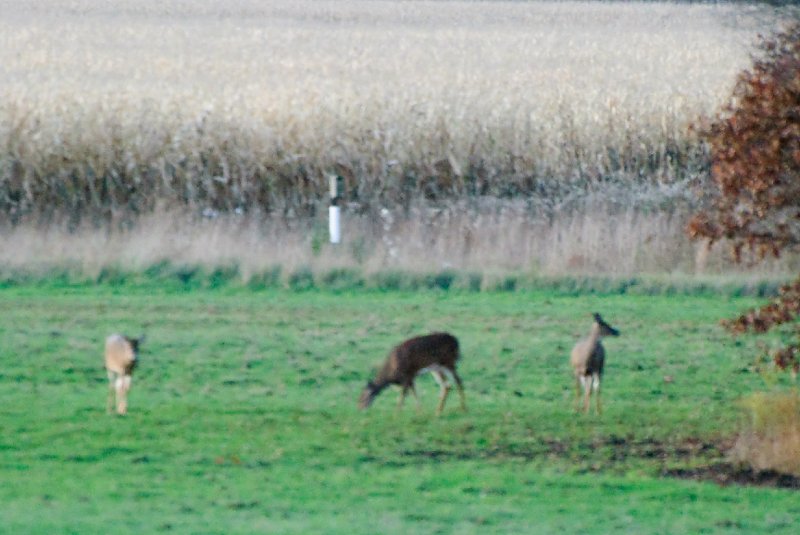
121	356
436	353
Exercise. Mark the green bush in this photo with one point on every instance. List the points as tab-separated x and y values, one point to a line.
301	279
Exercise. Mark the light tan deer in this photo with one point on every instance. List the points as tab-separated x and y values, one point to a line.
120	358
587	359
436	353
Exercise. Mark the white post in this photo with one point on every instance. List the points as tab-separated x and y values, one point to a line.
334	224
334	212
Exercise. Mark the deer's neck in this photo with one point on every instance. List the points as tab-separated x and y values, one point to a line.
378	385
386	375
594	336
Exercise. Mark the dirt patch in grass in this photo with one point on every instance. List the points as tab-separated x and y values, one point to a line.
612	449
611	452
729	474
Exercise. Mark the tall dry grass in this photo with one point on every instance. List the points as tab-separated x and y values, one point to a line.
493	240
109	108
770	439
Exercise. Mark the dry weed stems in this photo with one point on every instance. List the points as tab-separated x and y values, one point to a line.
110	111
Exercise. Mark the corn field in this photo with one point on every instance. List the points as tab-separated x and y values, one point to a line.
109	108
110	111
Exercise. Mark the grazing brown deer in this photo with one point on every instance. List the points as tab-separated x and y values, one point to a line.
587	359
436	353
120	358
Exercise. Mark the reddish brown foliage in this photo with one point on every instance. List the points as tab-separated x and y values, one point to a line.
755	150
755	147
781	310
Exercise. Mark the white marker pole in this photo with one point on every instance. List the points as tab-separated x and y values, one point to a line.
334	224
334	213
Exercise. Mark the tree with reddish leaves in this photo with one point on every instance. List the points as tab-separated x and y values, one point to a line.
755	151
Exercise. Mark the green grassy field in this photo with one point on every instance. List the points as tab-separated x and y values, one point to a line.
243	416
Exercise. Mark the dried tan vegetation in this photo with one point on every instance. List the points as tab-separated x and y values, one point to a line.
131	112
492	242
106	108
771	439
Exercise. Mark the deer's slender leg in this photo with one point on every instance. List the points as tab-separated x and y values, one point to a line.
123	384
442	399
460	386
402	398
445	389
416	397
128	381
118	386
110	402
586	380
596	387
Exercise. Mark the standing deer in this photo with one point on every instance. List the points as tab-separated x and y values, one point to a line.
120	359
587	359
436	353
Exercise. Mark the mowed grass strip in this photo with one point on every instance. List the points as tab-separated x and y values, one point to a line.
243	415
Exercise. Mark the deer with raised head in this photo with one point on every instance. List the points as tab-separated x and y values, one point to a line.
436	353
121	356
587	359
